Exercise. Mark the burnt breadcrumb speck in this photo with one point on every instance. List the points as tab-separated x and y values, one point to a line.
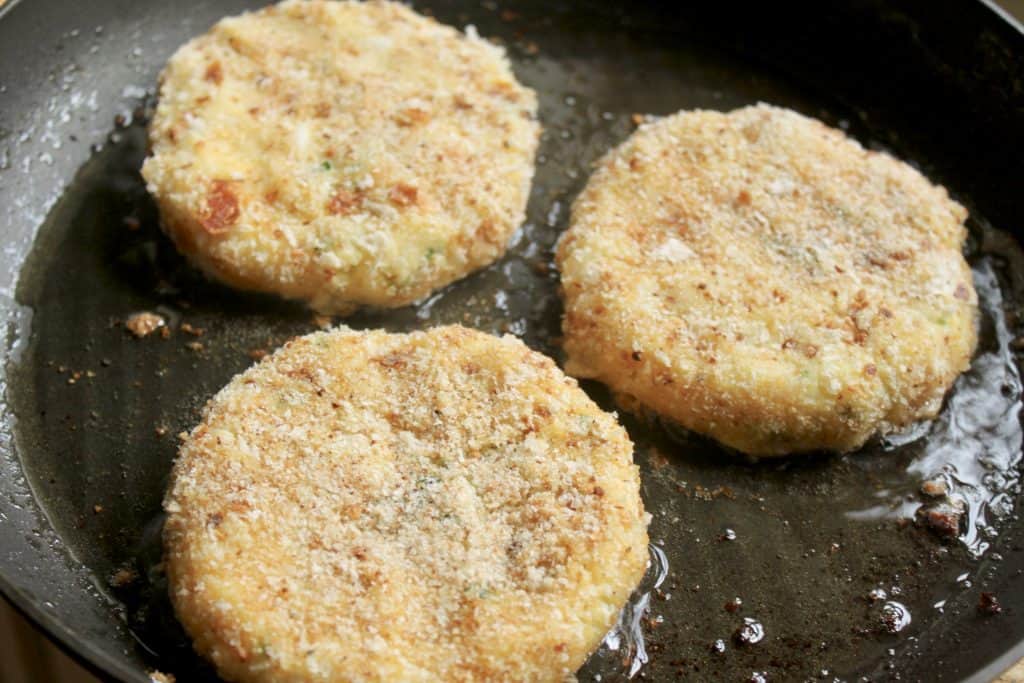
341	153
366	506
759	277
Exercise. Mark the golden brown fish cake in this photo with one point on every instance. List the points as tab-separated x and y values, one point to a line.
365	506
761	278
341	153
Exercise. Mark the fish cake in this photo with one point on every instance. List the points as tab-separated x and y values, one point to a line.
365	506
759	277
340	153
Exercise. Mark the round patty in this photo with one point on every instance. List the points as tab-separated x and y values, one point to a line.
760	278
442	505
341	153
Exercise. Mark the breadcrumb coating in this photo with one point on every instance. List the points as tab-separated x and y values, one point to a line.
759	277
341	153
365	506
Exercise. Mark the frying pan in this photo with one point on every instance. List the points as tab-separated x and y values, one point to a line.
810	545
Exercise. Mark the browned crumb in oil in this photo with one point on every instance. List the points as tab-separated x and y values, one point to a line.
122	577
161	677
194	331
702	493
943	519
145	323
988	604
658	459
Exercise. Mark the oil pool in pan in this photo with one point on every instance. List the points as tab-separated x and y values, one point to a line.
816	566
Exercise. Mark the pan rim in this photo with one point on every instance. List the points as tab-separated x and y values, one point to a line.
98	662
998	666
6	7
1004	15
108	666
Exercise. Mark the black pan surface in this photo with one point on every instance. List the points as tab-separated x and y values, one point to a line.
90	414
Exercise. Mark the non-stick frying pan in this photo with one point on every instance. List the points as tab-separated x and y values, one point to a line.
849	569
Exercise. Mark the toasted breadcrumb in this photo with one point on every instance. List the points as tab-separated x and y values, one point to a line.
761	278
442	505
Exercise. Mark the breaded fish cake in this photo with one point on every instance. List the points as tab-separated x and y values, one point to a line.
761	278
437	506
341	153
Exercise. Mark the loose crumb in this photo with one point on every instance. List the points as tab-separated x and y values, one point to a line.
988	604
123	576
934	488
943	519
145	323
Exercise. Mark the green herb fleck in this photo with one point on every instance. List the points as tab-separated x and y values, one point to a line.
326	166
480	590
426	482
